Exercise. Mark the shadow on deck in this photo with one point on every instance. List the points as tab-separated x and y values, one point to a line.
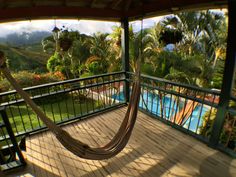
154	149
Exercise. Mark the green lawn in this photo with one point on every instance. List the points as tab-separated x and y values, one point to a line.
22	117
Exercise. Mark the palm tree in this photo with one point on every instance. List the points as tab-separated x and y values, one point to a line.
103	56
79	52
215	38
115	38
203	31
97	63
152	40
204	36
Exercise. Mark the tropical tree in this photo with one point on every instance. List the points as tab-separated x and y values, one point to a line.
203	38
105	53
49	45
97	63
72	54
153	44
115	38
214	40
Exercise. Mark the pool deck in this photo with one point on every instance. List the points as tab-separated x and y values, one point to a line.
154	149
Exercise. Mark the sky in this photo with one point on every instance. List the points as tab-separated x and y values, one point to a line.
84	26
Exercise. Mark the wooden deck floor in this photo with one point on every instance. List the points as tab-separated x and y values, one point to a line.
155	149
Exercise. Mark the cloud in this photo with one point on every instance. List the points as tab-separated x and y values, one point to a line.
147	23
89	27
84	26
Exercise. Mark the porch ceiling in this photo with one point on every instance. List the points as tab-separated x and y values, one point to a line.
97	9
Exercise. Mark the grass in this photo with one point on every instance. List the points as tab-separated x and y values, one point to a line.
23	118
59	108
33	59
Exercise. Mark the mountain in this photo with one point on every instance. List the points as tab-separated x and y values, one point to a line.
25	38
24	51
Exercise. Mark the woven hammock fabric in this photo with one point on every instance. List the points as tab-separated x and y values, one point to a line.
75	146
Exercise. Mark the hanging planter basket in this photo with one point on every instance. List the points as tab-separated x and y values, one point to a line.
65	44
170	36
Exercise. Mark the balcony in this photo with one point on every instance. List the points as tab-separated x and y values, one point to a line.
181	130
155	149
91	109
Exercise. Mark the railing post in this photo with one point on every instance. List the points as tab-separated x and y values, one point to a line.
125	55
228	77
11	135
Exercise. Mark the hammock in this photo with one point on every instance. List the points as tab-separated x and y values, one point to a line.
75	146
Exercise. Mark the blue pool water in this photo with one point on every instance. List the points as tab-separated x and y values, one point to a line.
152	103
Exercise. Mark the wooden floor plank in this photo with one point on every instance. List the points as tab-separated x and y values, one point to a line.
154	149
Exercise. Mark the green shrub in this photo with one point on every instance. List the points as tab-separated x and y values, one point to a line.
53	62
228	133
28	79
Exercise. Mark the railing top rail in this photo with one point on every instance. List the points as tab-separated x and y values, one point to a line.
63	82
58	92
115	73
179	84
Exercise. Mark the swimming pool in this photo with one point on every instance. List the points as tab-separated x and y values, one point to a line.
152	103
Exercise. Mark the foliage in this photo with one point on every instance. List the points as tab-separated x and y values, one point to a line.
54	62
28	79
208	120
217	76
228	135
25	58
68	61
199	40
103	58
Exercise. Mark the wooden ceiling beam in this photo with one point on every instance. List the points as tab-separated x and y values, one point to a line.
114	4
146	9
93	2
3	4
155	8
64	2
40	12
32	2
127	4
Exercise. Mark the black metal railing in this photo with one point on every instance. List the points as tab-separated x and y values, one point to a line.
63	101
188	108
10	153
178	104
228	133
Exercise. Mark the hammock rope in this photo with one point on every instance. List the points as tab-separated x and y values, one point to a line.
75	146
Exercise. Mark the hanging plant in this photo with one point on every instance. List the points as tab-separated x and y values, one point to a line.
170	36
65	44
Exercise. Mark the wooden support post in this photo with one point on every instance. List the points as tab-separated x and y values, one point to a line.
125	55
228	77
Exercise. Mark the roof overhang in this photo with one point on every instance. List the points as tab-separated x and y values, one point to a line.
110	10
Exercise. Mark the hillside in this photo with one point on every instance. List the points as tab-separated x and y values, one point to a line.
24	51
31	58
